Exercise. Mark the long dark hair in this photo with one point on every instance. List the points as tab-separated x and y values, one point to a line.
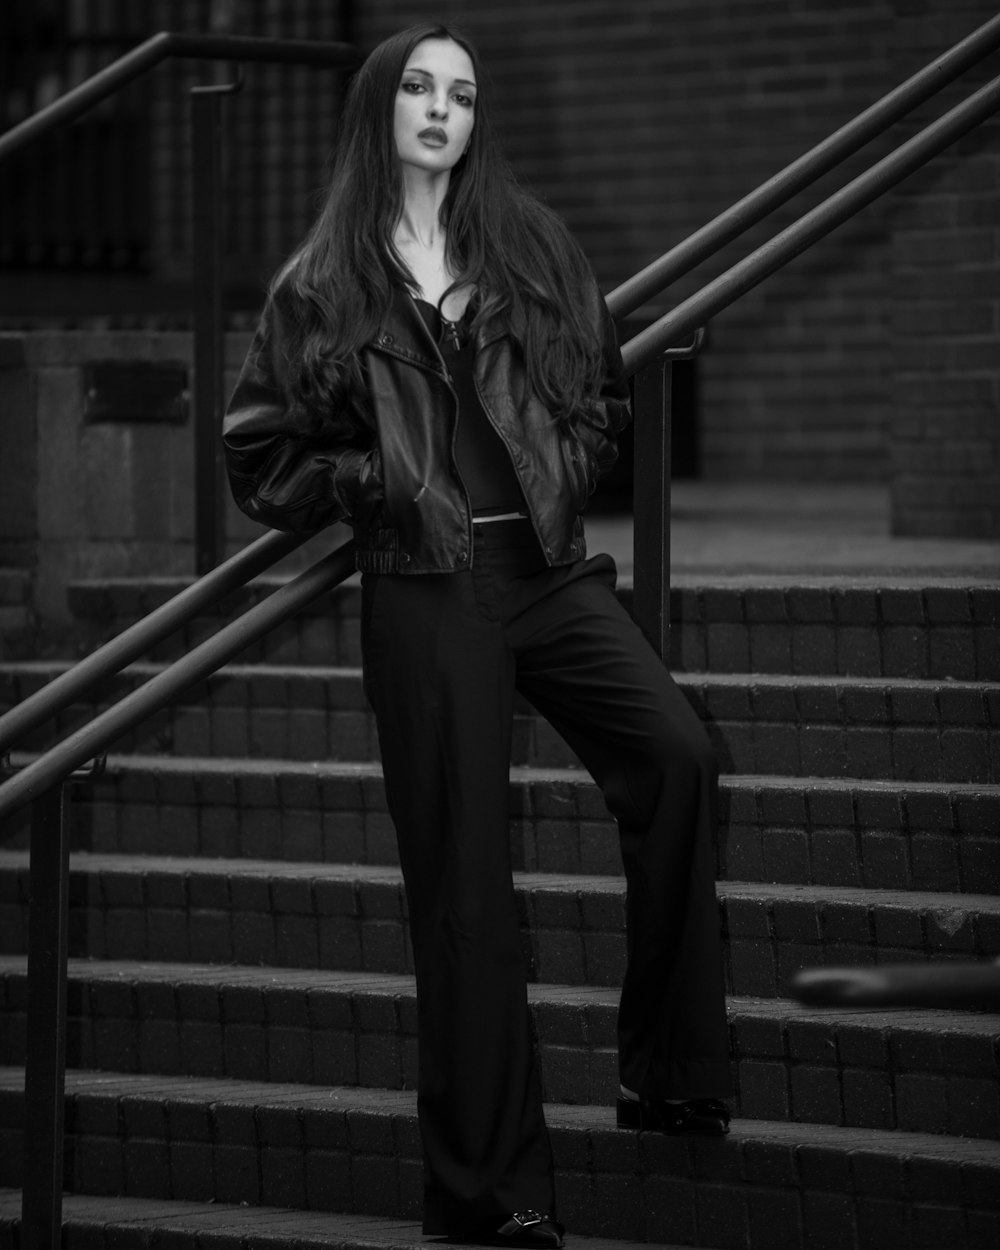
527	269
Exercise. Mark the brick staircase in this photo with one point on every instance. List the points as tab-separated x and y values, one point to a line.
242	1017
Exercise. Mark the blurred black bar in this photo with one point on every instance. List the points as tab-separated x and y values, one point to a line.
945	984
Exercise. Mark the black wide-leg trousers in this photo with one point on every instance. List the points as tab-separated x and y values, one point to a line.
443	657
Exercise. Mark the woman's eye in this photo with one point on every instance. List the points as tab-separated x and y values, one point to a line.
464	100
412	87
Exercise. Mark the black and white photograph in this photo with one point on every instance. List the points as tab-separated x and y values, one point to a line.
499	624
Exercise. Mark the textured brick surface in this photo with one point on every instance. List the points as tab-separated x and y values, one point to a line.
259	847
944	473
772	931
756	1175
867	1070
906	835
907	730
833	625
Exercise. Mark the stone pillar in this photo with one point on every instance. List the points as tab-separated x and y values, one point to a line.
86	496
944	459
98	483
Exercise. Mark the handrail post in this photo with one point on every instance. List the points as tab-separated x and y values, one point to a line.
209	363
45	1065
651	414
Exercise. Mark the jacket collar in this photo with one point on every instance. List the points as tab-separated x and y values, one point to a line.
404	333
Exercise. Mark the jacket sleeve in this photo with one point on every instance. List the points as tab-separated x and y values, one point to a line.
599	428
286	469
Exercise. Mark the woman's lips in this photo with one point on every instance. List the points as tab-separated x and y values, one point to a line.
433	137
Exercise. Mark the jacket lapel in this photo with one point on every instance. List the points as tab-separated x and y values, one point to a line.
404	335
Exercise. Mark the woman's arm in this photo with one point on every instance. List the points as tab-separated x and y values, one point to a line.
285	469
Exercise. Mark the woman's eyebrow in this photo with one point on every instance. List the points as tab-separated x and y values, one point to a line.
424	73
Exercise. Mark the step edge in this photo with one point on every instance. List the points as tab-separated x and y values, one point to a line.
135	973
132	865
519	773
684	677
260	1225
560	1116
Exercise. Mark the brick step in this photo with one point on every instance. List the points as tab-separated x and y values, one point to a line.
766	1185
927	1071
861	627
346	917
111	1223
759	724
879	835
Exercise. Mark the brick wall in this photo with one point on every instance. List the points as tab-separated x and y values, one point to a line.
89	496
945	345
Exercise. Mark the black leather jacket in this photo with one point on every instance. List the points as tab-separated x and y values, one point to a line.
387	466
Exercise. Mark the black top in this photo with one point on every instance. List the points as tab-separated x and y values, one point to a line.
482	458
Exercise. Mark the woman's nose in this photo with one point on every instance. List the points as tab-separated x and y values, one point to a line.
438	107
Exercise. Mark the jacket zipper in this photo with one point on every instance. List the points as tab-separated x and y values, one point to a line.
446	374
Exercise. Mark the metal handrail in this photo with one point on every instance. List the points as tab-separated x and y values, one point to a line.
91	739
790	242
802	172
137	639
159	48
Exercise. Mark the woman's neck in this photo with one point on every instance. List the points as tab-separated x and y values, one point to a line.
419	223
420	239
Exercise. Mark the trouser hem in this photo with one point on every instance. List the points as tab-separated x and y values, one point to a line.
710	1078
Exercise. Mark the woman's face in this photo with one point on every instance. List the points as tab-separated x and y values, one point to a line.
435	106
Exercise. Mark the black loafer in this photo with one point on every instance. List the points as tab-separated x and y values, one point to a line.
697	1115
523	1228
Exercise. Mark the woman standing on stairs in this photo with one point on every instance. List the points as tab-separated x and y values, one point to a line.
436	365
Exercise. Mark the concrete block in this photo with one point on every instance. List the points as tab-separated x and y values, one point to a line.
723	1215
867	1099
763	1090
728	648
827	1221
921	1103
858	651
775	1219
813	649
